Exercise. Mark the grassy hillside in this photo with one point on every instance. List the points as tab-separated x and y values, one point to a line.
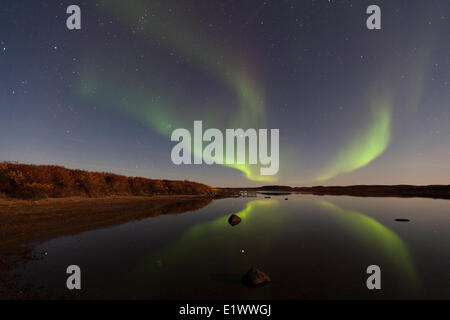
31	181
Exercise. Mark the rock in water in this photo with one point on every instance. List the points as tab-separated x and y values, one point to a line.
402	220
234	220
255	277
286	199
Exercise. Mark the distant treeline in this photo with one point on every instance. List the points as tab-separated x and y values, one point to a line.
31	181
408	191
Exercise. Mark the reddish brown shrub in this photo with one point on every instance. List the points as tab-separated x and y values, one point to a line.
32	181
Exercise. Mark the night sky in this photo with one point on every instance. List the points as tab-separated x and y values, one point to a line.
354	106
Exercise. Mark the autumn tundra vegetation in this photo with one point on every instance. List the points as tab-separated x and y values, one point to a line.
24	181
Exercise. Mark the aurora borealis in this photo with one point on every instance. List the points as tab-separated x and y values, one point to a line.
353	106
365	148
372	234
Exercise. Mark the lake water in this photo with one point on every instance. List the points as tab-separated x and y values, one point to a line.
312	247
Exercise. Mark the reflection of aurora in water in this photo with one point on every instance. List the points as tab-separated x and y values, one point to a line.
254	212
375	236
218	239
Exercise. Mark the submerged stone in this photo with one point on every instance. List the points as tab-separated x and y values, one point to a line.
402	220
234	220
255	277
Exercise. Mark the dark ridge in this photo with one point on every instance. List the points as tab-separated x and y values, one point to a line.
401	190
274	188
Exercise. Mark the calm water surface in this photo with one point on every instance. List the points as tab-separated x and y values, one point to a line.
311	246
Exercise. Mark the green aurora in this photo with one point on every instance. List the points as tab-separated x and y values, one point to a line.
159	109
378	238
162	115
365	147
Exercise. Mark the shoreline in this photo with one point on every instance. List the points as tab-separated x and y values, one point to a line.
23	223
398	191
